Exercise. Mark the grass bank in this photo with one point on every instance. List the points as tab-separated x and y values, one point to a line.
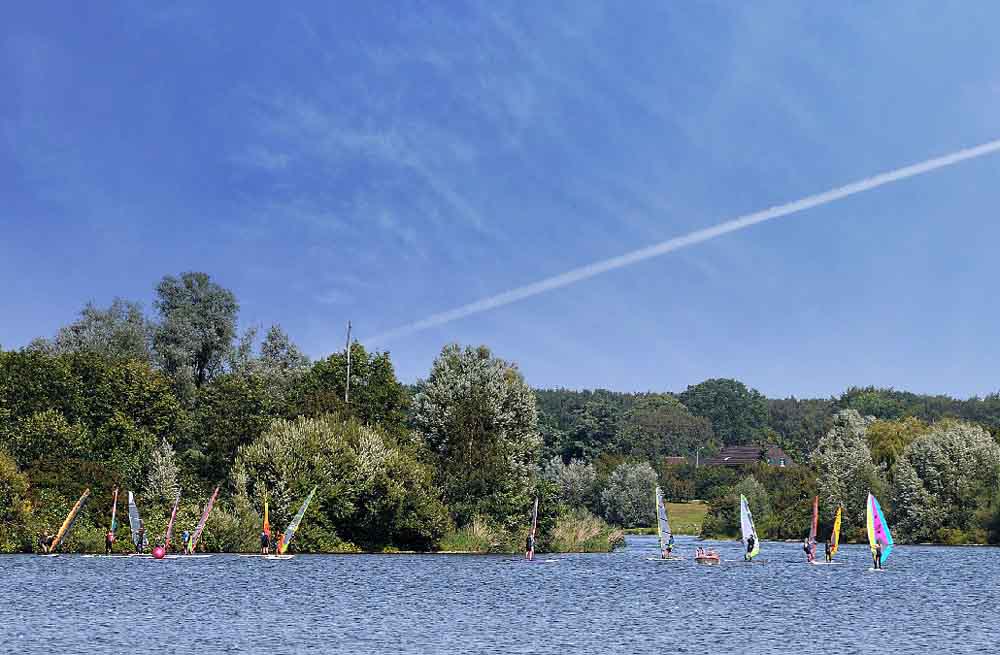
685	518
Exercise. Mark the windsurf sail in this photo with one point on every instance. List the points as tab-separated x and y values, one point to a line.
662	523
534	528
294	525
203	520
748	529
835	537
267	523
878	529
68	523
170	524
114	511
133	519
812	529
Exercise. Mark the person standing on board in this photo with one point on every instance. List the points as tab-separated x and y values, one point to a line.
185	542
810	553
529	547
109	542
829	552
877	555
668	547
140	541
265	543
45	541
750	544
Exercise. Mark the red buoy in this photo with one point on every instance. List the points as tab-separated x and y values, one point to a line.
159	552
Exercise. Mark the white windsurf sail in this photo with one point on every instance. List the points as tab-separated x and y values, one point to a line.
749	531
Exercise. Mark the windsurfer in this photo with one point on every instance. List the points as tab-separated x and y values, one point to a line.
806	546
529	547
45	541
109	542
668	547
751	541
140	539
829	551
877	555
265	543
186	542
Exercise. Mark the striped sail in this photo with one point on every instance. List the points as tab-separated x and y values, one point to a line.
294	525
662	522
747	527
813	528
203	521
70	518
170	524
133	519
878	529
267	522
835	537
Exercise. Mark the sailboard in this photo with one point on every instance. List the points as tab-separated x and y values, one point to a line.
170	524
267	522
812	530
203	521
67	524
878	529
114	512
134	521
663	526
748	529
835	536
294	525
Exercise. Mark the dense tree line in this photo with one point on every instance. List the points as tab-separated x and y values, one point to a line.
179	401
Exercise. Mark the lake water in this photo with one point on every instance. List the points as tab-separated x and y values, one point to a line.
928	600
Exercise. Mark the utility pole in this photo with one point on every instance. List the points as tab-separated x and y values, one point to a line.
347	388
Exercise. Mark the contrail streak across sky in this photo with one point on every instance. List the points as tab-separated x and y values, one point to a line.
621	261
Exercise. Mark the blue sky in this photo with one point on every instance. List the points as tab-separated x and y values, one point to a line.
389	162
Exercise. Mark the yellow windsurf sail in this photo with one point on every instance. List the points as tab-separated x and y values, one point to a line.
835	537
70	518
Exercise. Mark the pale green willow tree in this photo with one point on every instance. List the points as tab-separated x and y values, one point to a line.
120	331
846	471
161	479
477	416
628	499
576	482
942	479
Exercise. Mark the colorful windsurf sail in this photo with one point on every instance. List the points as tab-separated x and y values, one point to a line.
267	522
67	524
204	519
294	525
878	529
170	523
749	531
662	522
835	537
134	521
534	521
812	529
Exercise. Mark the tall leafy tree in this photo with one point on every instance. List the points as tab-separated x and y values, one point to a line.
628	498
658	425
197	326
120	331
477	416
738	414
846	472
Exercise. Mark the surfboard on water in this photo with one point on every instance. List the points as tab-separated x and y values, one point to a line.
278	557
664	559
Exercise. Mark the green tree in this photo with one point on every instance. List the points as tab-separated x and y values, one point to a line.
376	395
15	509
477	416
628	499
119	332
846	472
738	414
941	480
723	517
371	491
658	425
197	327
575	483
887	439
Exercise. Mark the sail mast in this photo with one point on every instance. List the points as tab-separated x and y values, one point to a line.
813	528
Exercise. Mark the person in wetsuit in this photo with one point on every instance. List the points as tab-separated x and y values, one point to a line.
829	551
265	543
877	555
807	547
529	547
109	542
668	547
750	544
45	541
185	542
140	539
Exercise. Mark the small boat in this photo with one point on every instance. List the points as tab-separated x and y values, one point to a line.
706	556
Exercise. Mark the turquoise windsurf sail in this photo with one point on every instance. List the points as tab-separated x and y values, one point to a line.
294	525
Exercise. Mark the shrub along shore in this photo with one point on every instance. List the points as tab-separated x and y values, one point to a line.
177	400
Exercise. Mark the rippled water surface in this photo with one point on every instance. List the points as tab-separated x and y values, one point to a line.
928	600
